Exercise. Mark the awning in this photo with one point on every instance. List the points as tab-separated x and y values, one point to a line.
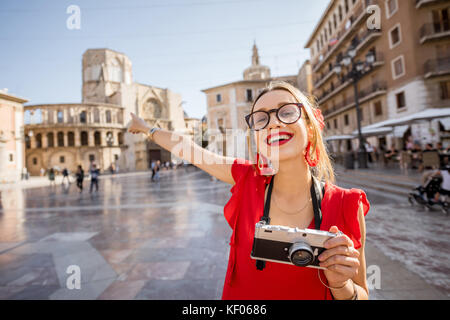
338	138
373	132
445	123
400	131
427	114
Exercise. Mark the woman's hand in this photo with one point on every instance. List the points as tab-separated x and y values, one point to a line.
340	259
138	125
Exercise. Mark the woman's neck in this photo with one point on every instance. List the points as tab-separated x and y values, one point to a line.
292	178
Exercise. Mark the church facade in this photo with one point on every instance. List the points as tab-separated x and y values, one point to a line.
66	135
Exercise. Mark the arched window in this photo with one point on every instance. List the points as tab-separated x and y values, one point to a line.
97	138
50	140
39	140
109	138
84	138
71	139
60	139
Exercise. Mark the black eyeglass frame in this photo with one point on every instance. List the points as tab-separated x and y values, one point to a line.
299	105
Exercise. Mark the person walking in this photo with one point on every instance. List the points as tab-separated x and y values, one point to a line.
65	174
94	172
281	187
157	168
80	177
51	177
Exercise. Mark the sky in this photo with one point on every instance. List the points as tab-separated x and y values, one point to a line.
183	45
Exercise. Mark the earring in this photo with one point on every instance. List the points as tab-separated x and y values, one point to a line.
311	163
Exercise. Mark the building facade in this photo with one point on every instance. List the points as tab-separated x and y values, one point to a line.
12	146
228	104
411	71
66	135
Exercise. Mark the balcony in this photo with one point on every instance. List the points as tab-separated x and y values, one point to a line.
437	67
434	31
355	20
423	3
365	39
345	80
376	89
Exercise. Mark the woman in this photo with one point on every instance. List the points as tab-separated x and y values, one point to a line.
287	129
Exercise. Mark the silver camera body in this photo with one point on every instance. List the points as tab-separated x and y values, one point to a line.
299	247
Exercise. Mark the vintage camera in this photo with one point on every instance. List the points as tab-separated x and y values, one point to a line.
299	247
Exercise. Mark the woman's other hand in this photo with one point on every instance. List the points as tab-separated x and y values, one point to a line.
340	259
138	125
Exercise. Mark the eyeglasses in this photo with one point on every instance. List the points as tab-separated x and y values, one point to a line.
287	113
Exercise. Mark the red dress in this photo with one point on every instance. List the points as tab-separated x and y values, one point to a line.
279	281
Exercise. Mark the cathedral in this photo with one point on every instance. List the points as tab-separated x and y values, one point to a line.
65	135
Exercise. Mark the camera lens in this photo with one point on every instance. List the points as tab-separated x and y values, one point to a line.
301	254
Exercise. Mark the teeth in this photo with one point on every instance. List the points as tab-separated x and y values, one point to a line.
278	138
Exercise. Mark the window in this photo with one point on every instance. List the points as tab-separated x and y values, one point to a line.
60	116
62	159
83	117
394	36
108	116
50	140
39	140
249	93
335	124
97	138
71	139
445	90
120	138
219	98
378	109
391	8
60	139
11	157
34	161
398	67
346	120
84	138
27	142
401	103
91	157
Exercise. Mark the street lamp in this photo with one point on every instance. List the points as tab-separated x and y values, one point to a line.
358	69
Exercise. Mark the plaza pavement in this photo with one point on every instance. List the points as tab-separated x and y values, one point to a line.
141	240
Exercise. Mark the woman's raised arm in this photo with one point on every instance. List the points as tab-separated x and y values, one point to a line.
186	149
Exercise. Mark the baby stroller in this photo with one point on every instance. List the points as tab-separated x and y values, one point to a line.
425	195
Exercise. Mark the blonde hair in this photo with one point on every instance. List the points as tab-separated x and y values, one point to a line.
324	170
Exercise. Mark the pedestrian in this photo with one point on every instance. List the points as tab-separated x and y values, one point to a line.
293	166
157	168
80	177
153	164
51	177
94	172
65	174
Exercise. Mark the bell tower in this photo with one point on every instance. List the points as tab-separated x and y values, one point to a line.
105	74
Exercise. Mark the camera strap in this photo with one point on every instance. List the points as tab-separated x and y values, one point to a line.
316	198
